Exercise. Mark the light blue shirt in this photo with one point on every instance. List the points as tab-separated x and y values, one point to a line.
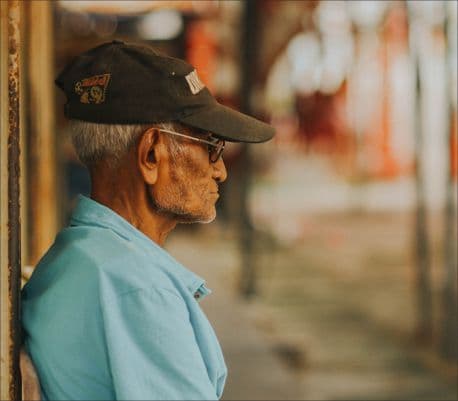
108	314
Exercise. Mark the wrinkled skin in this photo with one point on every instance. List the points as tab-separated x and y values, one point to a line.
189	188
154	188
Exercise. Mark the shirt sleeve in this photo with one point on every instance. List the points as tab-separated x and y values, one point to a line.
152	349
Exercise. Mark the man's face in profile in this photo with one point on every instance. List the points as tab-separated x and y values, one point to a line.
187	186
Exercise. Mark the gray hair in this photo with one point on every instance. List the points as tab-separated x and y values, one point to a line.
95	142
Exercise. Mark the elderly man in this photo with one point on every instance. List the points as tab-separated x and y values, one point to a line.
108	313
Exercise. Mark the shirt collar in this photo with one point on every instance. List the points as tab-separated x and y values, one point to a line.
89	212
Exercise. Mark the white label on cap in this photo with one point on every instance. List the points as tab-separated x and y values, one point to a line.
195	84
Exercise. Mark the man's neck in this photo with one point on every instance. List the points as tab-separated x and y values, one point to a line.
136	210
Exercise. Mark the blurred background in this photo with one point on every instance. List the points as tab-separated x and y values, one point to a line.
333	260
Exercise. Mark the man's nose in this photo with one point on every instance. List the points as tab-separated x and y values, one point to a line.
219	170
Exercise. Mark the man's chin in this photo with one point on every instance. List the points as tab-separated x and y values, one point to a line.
185	216
195	218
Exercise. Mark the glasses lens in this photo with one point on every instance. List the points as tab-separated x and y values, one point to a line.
216	151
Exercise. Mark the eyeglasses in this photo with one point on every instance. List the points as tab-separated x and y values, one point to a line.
215	147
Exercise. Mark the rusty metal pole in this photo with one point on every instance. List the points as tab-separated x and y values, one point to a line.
10	224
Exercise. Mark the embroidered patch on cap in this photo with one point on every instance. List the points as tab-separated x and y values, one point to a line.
92	89
194	82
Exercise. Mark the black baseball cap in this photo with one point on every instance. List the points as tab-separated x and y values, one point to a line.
122	83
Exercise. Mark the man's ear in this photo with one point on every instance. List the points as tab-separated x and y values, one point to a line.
148	155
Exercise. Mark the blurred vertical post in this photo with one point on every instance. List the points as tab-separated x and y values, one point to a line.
422	253
42	195
10	227
449	332
248	66
366	97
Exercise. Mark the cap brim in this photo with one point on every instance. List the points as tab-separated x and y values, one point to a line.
230	124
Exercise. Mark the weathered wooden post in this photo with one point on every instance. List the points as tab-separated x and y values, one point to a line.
42	177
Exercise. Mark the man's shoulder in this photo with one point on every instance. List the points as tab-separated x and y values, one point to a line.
103	256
